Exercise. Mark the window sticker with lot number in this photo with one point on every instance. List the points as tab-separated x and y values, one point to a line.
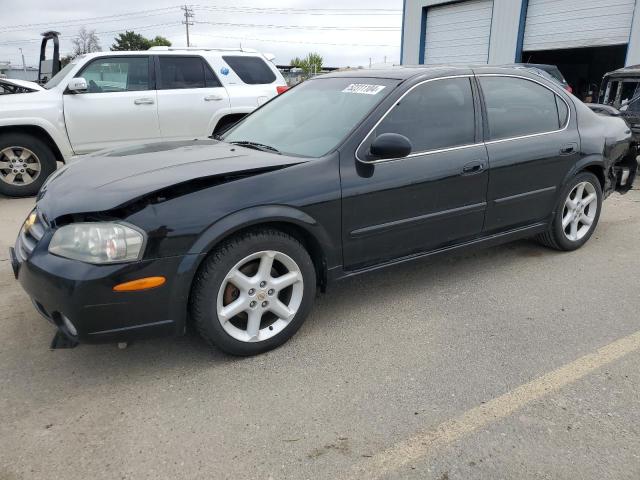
363	88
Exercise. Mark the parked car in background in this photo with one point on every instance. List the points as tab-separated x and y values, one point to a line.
347	173
550	72
108	99
620	90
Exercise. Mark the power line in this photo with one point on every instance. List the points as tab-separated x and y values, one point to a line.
101	19
303	27
301	11
295	41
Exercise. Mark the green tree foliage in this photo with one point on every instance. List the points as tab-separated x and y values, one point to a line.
310	64
130	40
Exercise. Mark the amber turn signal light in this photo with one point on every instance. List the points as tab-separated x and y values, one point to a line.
140	284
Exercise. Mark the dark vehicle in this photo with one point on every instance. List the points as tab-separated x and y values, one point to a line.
343	174
620	89
548	71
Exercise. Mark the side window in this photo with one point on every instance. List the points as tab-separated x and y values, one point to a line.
117	74
251	70
517	107
434	115
563	112
185	72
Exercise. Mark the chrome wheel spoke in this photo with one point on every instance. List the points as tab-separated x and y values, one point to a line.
240	280
286	280
567	219
10	177
586	220
35	167
253	324
589	199
579	192
574	230
266	263
25	155
26	178
10	154
281	310
234	308
5	165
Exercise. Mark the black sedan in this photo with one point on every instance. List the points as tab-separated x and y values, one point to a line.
341	175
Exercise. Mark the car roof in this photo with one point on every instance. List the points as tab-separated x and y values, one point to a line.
630	71
174	51
406	72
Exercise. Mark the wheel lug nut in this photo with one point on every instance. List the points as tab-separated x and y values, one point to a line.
271	291
262	284
265	303
252	304
252	291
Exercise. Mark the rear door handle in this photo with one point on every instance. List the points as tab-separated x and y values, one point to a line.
212	98
473	167
144	101
569	148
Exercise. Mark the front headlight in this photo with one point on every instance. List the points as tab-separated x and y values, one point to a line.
97	242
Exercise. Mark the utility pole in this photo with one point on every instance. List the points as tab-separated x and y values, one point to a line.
188	13
24	66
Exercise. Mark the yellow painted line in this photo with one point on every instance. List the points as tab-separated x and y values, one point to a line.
422	444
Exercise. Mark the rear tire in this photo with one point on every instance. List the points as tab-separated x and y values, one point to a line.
25	163
253	292
577	214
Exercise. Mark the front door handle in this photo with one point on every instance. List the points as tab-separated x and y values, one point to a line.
212	98
144	101
569	148
473	167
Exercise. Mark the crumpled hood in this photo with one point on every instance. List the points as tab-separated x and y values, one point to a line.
109	179
21	83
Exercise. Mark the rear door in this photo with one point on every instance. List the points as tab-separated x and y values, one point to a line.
119	107
250	80
434	197
532	141
189	96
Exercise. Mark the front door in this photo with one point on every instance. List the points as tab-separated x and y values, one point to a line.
119	106
432	198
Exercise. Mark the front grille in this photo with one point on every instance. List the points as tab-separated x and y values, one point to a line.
29	237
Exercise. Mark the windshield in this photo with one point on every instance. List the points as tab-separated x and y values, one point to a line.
313	118
57	78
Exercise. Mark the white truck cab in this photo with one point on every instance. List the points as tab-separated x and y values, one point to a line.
108	99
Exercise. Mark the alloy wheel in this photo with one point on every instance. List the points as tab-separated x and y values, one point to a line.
580	210
259	296
19	166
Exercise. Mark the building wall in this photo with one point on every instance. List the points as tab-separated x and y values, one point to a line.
507	29
504	29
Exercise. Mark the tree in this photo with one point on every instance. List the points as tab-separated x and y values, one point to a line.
310	64
85	42
160	41
131	40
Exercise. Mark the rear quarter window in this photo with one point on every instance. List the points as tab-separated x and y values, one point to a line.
251	70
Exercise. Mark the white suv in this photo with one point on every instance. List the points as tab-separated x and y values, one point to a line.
108	99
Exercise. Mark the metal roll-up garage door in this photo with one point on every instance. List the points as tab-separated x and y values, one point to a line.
555	24
458	32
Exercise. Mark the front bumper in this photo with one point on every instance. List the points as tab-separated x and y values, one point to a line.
83	293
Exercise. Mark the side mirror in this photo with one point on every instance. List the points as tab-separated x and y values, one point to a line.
77	85
390	145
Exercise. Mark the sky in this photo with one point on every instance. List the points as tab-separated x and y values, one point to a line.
345	33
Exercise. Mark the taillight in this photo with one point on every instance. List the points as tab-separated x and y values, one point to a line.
282	89
569	89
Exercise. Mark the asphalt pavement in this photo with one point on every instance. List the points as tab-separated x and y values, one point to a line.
514	362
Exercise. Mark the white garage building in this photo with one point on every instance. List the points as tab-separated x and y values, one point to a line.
585	38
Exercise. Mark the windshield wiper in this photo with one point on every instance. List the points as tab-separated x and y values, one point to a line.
256	146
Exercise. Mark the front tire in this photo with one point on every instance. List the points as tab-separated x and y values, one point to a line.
253	292
25	163
577	214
